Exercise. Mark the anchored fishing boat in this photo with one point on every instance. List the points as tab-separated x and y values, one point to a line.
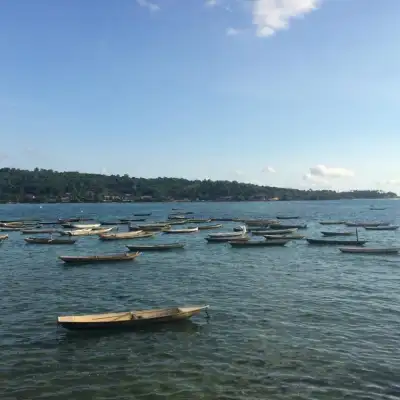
382	228
99	258
85	226
337	242
130	319
327	233
186	230
50	240
358	250
258	243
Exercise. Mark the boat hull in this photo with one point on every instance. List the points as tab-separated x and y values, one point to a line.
371	251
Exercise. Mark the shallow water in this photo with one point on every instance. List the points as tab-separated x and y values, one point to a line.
299	322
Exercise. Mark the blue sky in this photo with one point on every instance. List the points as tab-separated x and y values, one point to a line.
306	95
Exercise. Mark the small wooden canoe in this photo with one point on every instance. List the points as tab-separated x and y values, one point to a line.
366	224
288	217
258	243
205	227
382	228
274	232
99	231
127	221
198	221
125	235
37	240
331	222
358	250
224	239
76	232
288	237
85	226
186	230
154	227
229	234
287	226
327	233
337	242
156	247
3	237
142	215
37	231
181	217
99	258
130	319
9	229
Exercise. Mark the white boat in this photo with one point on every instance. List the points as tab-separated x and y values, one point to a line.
229	234
85	226
366	250
186	230
77	232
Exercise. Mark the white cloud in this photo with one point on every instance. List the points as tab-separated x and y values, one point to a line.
268	169
232	32
147	4
211	3
270	16
328	172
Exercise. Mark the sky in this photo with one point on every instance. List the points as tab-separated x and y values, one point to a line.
287	93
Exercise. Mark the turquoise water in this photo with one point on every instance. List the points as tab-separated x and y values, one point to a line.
298	322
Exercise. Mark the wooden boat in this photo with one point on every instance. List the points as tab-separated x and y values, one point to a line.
198	221
258	243
326	233
224	239
366	224
176	217
76	232
288	237
99	231
186	230
35	231
337	242
3	237
229	234
9	229
358	250
205	227
85	226
288	217
260	222
377	208
286	226
156	247
125	235
100	258
331	222
130	319
36	240
382	228
142	215
274	232
154	227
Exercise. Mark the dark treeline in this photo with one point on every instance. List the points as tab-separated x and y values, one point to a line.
42	185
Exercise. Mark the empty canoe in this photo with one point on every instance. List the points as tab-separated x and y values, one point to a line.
213	226
336	242
288	237
100	258
286	226
76	232
258	243
287	217
274	232
360	250
366	224
382	228
126	235
142	215
85	226
224	239
130	319
37	231
49	241
326	233
198	221
186	230
156	247
331	222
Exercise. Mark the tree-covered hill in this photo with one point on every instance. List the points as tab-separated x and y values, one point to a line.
42	185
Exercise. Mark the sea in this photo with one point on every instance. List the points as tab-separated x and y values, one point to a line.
293	322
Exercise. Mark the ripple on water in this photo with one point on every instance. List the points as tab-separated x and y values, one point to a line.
301	322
